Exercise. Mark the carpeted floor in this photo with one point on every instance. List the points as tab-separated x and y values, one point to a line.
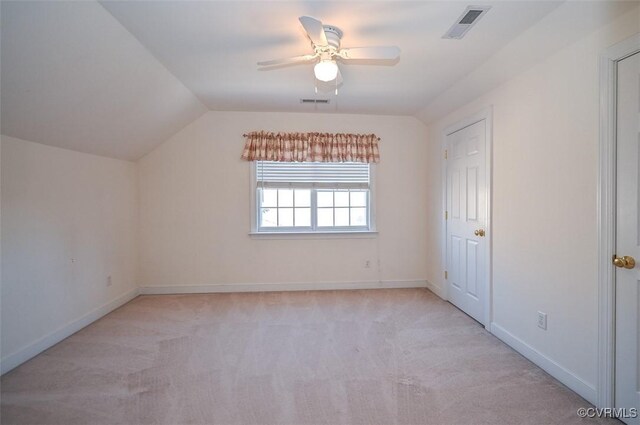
399	356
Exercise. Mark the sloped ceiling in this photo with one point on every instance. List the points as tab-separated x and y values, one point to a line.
74	77
566	24
118	78
213	48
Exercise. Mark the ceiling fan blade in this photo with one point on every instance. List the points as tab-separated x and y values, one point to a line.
287	61
370	53
315	30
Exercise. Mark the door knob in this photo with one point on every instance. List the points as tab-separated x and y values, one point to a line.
625	262
479	232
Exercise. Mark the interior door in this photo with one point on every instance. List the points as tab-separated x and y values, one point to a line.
627	274
467	219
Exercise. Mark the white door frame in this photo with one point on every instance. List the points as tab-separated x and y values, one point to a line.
485	114
606	216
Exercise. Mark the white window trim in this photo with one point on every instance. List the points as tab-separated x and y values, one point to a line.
357	234
340	232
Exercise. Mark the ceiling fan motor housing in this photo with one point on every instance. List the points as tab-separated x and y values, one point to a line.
333	34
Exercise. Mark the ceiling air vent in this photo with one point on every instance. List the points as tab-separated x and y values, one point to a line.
315	101
468	19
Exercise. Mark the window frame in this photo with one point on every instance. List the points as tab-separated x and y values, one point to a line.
371	229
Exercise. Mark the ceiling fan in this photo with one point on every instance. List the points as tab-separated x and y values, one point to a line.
325	40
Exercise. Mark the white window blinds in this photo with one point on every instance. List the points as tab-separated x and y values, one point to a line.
347	175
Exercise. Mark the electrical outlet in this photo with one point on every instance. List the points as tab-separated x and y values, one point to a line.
542	320
367	264
109	280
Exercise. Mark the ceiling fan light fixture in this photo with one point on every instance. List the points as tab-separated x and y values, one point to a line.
325	42
326	70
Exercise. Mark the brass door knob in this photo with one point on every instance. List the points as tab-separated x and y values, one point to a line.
479	232
625	262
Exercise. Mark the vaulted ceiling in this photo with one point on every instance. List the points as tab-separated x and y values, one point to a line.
72	76
213	48
118	78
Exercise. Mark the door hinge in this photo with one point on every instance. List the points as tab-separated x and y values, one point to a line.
446	215
445	154
446	275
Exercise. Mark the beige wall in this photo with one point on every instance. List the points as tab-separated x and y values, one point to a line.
195	208
544	201
59	205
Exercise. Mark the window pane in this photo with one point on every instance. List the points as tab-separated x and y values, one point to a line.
285	198
325	217
269	217
342	198
359	199
324	205
325	199
303	198
303	217
358	216
269	198
342	216
285	217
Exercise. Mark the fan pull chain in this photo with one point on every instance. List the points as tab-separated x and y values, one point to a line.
335	106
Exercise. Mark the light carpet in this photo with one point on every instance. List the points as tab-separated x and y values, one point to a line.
397	356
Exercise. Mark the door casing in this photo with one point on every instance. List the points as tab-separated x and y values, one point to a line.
485	114
606	216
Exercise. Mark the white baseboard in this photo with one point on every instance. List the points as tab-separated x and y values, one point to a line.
439	291
13	360
562	374
271	287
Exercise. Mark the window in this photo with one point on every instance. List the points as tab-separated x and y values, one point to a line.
312	197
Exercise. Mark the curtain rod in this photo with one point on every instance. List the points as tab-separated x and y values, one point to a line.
246	135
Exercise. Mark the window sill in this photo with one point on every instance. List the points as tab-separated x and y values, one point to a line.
360	234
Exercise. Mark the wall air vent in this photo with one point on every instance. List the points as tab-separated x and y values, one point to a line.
468	19
315	101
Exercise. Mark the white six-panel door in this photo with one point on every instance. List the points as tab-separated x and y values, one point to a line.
466	219
627	278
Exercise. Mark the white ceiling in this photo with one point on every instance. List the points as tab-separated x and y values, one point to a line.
118	78
213	48
73	77
568	23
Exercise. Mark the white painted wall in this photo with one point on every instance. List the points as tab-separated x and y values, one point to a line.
544	202
195	208
59	205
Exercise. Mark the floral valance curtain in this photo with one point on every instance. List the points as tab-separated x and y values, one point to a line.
311	147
